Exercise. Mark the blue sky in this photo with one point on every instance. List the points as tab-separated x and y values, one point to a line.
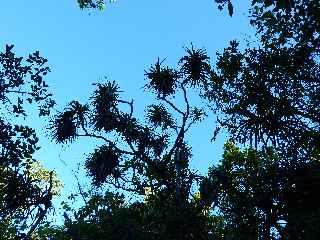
120	43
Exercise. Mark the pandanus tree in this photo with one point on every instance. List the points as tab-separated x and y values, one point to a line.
150	155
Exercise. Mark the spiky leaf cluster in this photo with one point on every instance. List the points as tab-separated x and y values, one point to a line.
128	127
163	80
102	163
133	132
195	66
105	103
146	139
64	125
159	116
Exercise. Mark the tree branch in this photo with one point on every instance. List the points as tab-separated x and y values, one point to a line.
172	105
106	140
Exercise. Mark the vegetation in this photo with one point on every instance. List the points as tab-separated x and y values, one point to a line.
141	156
269	94
265	187
93	4
26	188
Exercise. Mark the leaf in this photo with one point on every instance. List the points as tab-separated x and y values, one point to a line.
269	16
101	6
230	8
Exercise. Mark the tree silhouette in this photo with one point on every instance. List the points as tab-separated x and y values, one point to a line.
261	196
152	155
21	197
270	94
266	97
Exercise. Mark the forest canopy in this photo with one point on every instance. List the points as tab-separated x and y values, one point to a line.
264	97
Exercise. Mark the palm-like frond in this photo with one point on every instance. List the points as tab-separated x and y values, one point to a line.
102	163
163	80
195	66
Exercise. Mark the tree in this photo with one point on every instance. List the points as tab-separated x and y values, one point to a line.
266	96
140	156
261	196
23	201
270	94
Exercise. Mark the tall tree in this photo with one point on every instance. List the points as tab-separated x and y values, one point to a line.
266	96
137	156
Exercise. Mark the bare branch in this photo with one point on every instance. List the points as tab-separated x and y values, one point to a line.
172	105
184	120
106	140
130	104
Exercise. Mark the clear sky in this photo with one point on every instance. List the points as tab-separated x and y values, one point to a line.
121	42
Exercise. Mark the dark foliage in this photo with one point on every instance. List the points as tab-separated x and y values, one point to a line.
279	5
159	116
102	163
270	95
265	96
163	80
261	196
65	127
138	156
195	66
105	103
21	81
91	4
